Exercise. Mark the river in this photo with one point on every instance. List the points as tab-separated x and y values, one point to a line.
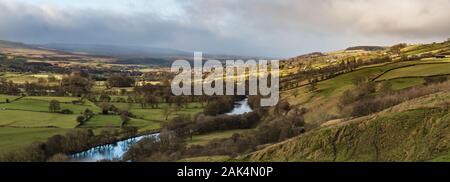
118	149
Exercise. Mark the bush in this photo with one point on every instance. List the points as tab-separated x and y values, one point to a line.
221	105
352	105
59	158
66	111
435	79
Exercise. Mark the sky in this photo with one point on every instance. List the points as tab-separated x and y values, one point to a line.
275	28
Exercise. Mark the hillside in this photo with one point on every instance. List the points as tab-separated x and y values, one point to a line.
417	130
412	125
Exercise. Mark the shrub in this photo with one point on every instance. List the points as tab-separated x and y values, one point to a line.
66	111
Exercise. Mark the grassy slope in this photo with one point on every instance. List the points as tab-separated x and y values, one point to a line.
402	83
426	48
413	131
323	100
423	70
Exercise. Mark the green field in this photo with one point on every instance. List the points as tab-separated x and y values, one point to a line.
204	139
17	118
60	99
114	121
29	104
3	98
402	83
28	119
422	70
15	138
427	48
344	82
157	114
324	99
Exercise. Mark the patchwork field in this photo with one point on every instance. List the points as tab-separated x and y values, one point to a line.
324	99
28	119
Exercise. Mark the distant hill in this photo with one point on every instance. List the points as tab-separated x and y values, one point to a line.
366	48
10	44
116	50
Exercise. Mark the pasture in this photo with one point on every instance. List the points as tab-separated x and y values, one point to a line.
422	70
22	78
42	105
402	83
3	97
204	139
12	139
30	119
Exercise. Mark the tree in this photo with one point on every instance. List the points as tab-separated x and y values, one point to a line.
282	107
120	81
396	49
55	144
213	108
179	101
295	93
386	88
81	119
130	99
54	106
166	112
152	100
312	85
88	114
58	158
436	79
105	108
77	84
124	118
105	98
167	94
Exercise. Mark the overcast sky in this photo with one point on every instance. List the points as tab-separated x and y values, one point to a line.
279	28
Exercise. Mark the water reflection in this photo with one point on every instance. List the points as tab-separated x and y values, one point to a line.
110	151
241	107
118	149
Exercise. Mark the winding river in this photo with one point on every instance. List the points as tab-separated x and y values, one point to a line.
119	148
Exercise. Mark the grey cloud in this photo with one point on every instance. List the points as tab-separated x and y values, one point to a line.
251	27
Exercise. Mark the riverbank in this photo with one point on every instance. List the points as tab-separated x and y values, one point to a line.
111	151
116	150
